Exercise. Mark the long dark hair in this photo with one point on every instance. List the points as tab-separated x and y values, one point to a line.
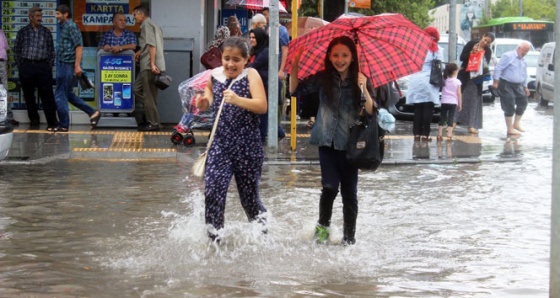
352	70
262	40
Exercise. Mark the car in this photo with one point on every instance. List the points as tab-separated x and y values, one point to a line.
6	129
396	102
544	89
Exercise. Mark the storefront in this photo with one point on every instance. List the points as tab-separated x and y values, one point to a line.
186	26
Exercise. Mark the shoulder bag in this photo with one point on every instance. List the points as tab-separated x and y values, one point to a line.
199	166
212	58
436	74
366	141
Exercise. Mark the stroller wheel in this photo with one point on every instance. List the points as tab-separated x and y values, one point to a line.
188	140
176	138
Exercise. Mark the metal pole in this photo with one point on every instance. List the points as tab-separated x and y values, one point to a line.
555	214
345	6
452	55
274	42
520	8
293	99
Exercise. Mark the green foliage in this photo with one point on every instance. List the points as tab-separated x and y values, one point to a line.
414	10
535	9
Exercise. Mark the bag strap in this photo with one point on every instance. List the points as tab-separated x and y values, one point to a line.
215	126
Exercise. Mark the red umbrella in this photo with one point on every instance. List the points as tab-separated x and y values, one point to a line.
389	46
256	4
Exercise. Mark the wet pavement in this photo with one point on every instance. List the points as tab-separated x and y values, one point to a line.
35	145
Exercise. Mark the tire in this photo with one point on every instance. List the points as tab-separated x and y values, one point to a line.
176	138
539	98
188	140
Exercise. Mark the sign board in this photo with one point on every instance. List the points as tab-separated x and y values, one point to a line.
360	4
115	75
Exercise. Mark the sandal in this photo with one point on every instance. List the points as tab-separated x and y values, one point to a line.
51	129
94	120
310	124
61	129
439	138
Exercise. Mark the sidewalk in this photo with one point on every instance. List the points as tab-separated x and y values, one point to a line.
125	144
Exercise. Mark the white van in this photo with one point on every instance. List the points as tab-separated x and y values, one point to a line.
545	75
501	46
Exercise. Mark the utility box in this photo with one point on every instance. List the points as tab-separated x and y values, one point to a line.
179	65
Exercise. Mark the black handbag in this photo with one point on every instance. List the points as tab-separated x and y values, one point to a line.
436	74
163	81
366	142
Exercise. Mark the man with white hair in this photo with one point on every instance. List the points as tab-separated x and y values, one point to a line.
510	78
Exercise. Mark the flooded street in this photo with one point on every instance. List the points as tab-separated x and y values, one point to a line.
136	229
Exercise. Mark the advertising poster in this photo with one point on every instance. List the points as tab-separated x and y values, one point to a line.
115	83
242	16
13	17
471	13
97	15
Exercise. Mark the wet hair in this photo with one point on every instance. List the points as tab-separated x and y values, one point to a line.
63	8
142	9
237	42
490	34
450	68
352	70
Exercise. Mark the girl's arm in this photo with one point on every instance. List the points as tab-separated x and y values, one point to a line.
459	99
370	103
203	101
257	103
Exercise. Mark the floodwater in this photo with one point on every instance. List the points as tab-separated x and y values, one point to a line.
135	229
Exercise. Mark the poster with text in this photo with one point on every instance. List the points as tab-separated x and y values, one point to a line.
116	73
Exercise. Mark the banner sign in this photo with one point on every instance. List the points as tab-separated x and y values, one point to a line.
115	73
360	4
97	15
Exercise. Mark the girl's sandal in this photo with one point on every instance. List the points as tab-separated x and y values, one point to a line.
439	138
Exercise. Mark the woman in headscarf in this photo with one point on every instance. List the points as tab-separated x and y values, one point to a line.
423	95
258	39
471	114
221	34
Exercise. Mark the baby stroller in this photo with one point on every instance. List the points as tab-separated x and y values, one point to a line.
192	118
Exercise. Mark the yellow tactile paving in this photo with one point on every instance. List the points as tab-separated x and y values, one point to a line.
127	140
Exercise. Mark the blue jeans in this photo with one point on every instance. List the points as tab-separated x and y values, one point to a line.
66	81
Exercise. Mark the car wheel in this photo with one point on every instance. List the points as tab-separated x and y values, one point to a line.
539	98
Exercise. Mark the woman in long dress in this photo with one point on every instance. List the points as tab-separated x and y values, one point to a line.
471	114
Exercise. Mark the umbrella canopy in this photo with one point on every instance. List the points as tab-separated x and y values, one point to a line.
389	46
256	4
306	25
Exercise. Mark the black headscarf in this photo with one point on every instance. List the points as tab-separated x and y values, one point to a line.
262	39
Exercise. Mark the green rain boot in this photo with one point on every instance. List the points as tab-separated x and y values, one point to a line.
321	234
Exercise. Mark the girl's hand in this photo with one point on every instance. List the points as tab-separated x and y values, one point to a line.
230	96
202	102
362	80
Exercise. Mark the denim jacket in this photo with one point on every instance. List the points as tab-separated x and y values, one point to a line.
335	118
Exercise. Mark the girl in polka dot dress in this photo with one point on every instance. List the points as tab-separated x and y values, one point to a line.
236	149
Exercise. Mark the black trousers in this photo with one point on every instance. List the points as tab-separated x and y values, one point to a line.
423	113
38	75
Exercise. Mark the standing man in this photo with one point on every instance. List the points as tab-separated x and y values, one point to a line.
68	69
4	47
510	78
119	38
34	55
152	62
